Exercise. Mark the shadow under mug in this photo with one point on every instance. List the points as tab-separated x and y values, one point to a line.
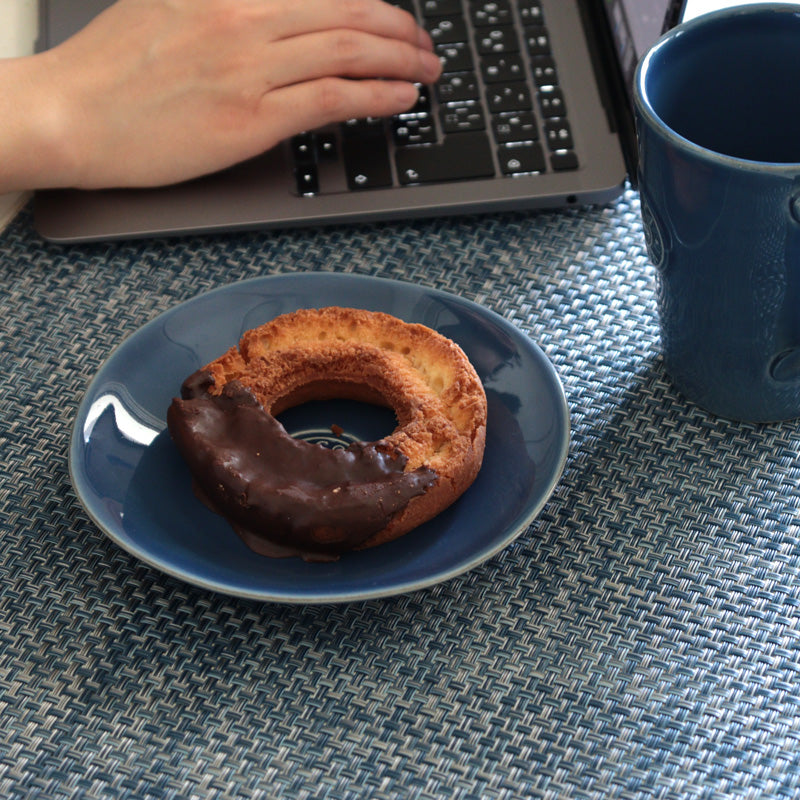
717	104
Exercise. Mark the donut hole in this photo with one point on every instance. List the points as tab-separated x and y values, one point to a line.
338	422
335	412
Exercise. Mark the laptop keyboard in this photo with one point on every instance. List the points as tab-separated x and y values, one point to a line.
497	110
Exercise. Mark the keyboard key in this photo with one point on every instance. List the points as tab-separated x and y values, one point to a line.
502	68
307	179
490	12
544	71
366	161
326	147
564	159
303	148
371	126
531	12
537	40
465	117
499	39
551	102
440	8
456	87
521	158
509	97
558	134
459	156
414	130
445	30
516	127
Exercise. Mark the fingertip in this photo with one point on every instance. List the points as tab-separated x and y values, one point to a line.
431	65
424	41
406	94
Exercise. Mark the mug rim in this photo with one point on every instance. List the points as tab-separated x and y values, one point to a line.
646	110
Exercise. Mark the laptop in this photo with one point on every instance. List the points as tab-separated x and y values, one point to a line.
533	111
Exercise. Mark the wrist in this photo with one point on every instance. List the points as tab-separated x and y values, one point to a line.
33	142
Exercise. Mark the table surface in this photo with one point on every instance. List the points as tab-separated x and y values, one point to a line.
641	639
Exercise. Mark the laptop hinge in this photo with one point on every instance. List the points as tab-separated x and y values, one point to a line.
614	86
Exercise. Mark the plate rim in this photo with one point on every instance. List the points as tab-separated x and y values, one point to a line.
129	546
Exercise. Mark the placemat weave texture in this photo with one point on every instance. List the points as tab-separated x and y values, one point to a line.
640	640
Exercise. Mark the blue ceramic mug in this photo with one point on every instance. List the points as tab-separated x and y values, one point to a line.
718	119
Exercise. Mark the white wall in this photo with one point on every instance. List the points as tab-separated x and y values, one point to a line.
17	36
694	8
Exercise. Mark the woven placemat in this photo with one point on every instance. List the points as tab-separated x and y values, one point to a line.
640	640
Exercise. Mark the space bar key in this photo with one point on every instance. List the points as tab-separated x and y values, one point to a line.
459	156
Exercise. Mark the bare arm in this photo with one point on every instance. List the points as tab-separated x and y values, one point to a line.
157	91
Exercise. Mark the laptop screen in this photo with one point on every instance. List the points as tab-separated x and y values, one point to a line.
636	25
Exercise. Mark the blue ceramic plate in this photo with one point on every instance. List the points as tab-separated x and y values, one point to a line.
135	486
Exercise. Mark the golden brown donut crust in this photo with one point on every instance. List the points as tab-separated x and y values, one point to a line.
370	356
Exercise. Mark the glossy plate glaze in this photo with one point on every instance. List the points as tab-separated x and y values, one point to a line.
137	489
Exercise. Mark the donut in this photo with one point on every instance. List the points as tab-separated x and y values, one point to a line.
287	497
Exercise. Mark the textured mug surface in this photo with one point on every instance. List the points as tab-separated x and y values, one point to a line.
718	122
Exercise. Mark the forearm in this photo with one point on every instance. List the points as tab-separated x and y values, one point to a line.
154	92
32	155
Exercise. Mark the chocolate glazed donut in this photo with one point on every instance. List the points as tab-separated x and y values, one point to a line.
288	497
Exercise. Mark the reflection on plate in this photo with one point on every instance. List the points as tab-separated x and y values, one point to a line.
135	486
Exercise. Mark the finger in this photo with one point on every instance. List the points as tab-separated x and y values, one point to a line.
312	104
348	54
287	18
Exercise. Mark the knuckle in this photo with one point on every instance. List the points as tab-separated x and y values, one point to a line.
346	49
239	17
331	100
355	11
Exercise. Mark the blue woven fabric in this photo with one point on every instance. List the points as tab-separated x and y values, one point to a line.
640	640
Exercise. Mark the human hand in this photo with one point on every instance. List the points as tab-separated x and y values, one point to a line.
157	91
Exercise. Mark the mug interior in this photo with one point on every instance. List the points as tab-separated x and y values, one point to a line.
730	83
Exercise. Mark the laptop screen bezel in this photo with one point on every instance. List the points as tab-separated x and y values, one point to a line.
618	57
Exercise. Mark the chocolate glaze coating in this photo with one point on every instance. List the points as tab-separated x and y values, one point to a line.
284	496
